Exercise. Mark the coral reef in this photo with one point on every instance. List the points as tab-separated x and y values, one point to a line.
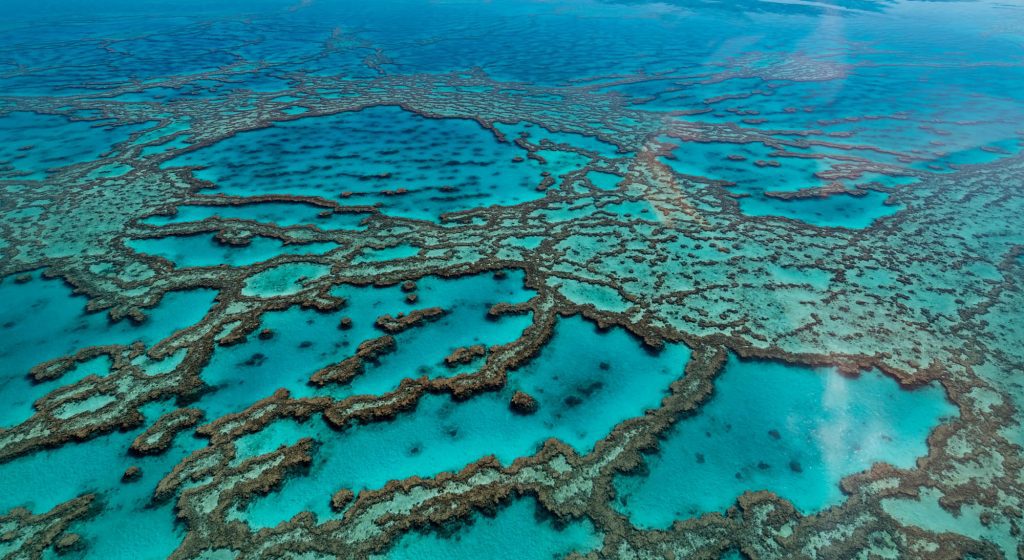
642	201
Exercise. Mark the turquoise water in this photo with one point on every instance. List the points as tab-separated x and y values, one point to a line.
387	254
305	341
144	529
501	536
597	195
276	213
793	171
30	150
421	351
585	383
926	512
363	154
44	320
204	250
847	211
283	280
792	430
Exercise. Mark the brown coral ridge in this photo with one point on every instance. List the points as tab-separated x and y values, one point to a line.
465	355
341	498
124	390
158	437
406	321
70	542
29	535
344	371
131	474
523	403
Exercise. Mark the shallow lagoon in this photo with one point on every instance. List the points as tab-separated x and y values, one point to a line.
144	528
30	150
44	320
795	431
361	159
204	250
276	213
585	382
304	341
501	537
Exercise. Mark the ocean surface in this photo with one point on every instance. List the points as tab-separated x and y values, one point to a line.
531	279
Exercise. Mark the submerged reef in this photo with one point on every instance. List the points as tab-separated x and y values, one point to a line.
528	280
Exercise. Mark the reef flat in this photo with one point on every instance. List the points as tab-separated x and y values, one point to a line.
562	279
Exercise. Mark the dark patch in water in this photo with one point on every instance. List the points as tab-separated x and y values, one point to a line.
255	360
